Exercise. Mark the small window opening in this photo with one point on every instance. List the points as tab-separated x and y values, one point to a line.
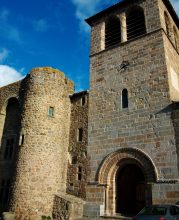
124	98
112	32
4	191
80	134
80	170
51	111
167	24
9	149
21	139
71	187
67	207
135	23
74	160
83	101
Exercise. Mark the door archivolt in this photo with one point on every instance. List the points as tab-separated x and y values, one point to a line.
113	165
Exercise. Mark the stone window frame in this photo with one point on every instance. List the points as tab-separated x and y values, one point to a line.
21	139
125	99
123	26
83	101
111	21
143	19
79	173
74	159
80	134
51	111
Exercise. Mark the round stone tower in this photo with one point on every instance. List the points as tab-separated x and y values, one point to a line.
42	158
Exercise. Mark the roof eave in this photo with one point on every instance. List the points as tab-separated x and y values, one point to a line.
123	3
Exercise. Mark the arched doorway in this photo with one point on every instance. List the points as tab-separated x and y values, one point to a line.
131	169
130	189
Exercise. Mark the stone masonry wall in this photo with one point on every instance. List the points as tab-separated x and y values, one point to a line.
167	193
172	60
152	20
146	123
9	129
78	149
172	25
41	165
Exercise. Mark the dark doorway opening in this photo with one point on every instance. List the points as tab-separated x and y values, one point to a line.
130	190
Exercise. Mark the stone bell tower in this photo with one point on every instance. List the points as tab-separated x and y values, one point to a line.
133	108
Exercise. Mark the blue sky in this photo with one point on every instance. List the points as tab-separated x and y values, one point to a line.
36	33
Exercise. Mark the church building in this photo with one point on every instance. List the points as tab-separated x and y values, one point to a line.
108	151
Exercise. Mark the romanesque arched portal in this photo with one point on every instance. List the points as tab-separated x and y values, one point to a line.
127	174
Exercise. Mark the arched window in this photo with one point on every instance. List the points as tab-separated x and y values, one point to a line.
11	124
167	24
175	37
124	98
112	31
135	23
80	173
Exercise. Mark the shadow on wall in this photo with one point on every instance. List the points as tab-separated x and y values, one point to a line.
175	120
11	132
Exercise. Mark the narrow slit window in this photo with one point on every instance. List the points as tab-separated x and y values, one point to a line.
135	23
83	101
51	111
9	149
112	32
80	134
124	98
21	139
80	172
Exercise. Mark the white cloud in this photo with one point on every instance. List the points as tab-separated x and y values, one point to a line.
8	75
41	25
84	9
87	8
175	4
3	54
